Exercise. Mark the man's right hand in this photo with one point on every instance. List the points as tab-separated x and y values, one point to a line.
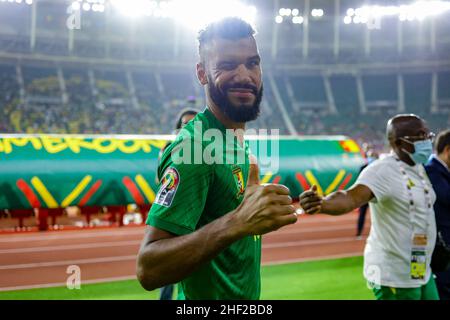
310	201
265	208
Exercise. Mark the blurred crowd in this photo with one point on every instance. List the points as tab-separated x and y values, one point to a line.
109	109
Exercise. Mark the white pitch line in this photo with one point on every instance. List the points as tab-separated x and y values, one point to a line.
132	277
133	257
63	284
329	219
95	234
66	262
311	230
309	242
81	234
71	247
327	257
136	242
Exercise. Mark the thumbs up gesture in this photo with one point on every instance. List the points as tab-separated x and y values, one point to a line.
265	208
253	175
310	201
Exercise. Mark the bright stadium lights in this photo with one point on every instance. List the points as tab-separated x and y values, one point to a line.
193	13
76	6
132	8
297	20
416	11
285	12
317	13
97	7
29	2
198	13
294	13
86	6
347	20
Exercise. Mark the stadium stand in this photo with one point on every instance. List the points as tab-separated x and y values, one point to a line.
129	80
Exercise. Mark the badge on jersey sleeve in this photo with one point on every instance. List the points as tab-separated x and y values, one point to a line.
239	180
419	257
169	186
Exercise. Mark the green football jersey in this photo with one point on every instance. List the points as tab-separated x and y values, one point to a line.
197	191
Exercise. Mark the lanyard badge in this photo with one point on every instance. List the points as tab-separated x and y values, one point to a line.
419	256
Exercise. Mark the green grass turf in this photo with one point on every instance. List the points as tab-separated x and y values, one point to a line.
325	279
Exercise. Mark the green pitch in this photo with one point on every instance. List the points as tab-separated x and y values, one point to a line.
323	280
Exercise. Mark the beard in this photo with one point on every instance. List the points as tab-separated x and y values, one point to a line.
240	112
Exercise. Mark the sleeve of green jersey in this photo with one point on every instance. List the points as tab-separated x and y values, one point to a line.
181	196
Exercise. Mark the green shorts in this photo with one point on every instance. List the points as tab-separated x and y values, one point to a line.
426	292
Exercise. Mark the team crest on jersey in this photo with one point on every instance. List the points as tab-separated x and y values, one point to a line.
169	186
239	179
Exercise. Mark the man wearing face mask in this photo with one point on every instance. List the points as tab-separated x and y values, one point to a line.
438	170
403	233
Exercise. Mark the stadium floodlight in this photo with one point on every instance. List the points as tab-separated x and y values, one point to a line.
95	7
278	19
86	6
76	6
356	19
295	12
317	13
132	8
30	2
18	1
416	11
193	13
347	20
197	13
285	12
297	20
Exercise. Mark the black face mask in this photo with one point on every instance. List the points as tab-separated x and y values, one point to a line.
240	113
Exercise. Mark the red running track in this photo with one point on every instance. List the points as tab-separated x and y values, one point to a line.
35	260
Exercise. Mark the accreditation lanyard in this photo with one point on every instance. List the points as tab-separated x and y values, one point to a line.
419	240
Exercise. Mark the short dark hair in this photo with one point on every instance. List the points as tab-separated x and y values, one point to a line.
182	114
442	140
230	28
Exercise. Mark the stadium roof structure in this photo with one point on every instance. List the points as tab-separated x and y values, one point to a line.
295	32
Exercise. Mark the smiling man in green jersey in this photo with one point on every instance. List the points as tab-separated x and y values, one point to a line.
204	226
